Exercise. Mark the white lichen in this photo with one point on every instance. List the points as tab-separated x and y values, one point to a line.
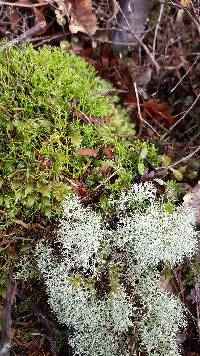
80	233
158	236
163	317
90	252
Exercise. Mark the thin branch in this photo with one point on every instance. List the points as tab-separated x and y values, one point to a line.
139	111
190	68
185	158
180	160
18	4
156	29
183	117
196	23
47	324
173	4
26	35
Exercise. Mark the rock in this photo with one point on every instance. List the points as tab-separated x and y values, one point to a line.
192	200
131	18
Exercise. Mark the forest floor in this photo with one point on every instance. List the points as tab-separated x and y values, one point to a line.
159	81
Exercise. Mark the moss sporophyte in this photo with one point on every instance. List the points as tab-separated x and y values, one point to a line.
50	109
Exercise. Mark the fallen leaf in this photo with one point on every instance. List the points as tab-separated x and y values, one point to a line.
87	152
14	19
177	174
141	168
166	284
39	17
79	188
108	152
147	175
81	17
158	110
129	99
166	160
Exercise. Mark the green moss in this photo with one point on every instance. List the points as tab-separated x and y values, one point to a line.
52	103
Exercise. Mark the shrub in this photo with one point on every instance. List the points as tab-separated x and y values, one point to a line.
52	103
104	281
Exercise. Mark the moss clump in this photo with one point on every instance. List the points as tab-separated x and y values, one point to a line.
52	105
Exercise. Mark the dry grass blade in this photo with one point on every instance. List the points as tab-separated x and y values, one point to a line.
21	4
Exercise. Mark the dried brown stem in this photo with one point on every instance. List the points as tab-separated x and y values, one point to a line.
156	29
186	113
18	4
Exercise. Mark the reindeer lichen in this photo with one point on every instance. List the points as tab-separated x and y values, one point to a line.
105	284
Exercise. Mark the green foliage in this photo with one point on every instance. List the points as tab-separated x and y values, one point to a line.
52	103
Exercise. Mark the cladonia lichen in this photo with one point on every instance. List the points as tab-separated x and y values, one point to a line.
104	284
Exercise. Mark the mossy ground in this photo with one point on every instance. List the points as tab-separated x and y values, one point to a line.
52	106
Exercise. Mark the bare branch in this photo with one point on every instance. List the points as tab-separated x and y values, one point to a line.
18	4
139	111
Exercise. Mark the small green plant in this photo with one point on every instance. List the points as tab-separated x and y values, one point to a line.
105	282
52	106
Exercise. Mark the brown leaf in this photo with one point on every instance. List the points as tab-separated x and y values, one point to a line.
79	188
87	152
108	152
14	19
39	17
166	284
82	17
158	110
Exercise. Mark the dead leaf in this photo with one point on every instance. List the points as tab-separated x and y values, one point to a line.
39	17
87	152
14	19
81	17
108	152
79	188
158	111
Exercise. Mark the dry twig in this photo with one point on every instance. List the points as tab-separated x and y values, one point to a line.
139	111
156	29
183	117
21	4
26	35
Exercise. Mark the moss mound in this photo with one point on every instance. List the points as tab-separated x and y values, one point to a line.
57	123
